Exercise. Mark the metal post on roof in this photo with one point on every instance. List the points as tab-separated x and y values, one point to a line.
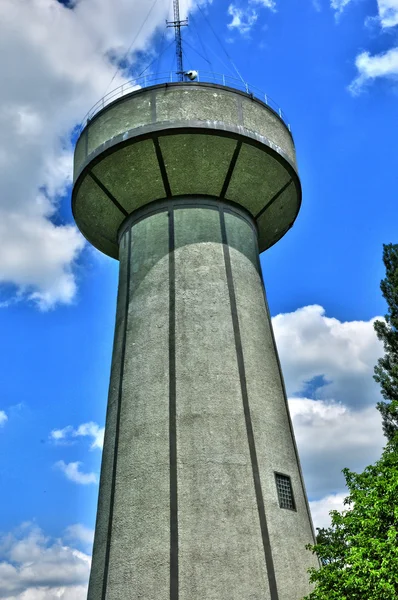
177	24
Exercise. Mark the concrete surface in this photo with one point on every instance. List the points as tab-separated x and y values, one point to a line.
188	506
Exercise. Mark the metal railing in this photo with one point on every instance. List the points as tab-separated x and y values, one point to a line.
173	77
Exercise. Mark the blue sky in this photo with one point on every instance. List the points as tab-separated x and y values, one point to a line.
332	67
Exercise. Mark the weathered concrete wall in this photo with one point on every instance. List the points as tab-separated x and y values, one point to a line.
188	506
178	103
182	139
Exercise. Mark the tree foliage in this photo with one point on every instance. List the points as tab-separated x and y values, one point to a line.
359	552
386	370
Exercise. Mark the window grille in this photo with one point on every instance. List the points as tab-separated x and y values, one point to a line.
285	492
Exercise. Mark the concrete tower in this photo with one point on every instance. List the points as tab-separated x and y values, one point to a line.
201	493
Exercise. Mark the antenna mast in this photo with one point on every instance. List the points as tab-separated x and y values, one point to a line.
177	24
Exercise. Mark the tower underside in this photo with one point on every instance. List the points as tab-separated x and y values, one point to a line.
180	139
201	492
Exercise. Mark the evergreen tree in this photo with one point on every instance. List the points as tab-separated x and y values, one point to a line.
359	552
386	371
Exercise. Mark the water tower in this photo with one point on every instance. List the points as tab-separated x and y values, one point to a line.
201	492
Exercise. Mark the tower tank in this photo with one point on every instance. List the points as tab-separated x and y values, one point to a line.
201	492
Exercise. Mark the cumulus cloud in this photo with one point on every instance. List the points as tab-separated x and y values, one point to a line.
73	473
373	67
80	533
328	369
244	18
61	593
388	12
383	65
271	4
330	437
339	5
3	418
60	61
36	567
92	430
320	509
337	357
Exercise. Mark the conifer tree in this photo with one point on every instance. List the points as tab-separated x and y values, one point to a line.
386	370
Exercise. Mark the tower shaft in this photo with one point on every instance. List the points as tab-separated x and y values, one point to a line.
197	423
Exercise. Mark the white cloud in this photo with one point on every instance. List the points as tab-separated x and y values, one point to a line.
339	5
336	424
76	592
320	508
271	4
73	473
3	417
35	567
80	533
383	65
344	353
37	256
58	65
374	67
58	435
91	429
388	13
330	437
242	19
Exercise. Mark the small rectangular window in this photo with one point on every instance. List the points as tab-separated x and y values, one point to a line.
285	492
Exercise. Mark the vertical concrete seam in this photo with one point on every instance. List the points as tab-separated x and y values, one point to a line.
154	96
162	167
86	141
108	193
285	395
273	199
119	406
249	426
240	110
173	416
231	169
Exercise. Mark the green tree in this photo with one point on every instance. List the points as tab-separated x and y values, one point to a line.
386	370
359	552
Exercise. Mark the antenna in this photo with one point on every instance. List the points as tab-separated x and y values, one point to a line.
177	24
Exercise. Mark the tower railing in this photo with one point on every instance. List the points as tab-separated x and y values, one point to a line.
173	77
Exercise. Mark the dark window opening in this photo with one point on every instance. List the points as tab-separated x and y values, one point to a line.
285	491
